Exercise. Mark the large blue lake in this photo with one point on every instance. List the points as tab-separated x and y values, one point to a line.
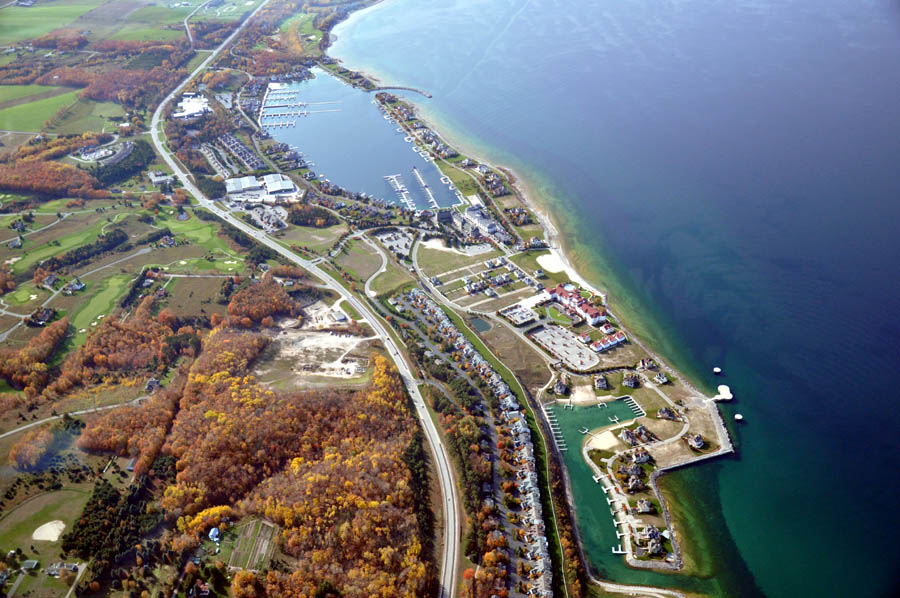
728	169
349	142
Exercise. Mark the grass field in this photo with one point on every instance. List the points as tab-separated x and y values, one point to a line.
391	279
350	311
19	22
87	115
33	115
70	233
99	298
359	260
319	240
149	33
187	296
17	525
14	92
437	261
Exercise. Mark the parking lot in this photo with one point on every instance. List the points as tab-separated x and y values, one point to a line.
565	346
397	242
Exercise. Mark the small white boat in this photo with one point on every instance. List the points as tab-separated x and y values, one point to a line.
717	370
738	417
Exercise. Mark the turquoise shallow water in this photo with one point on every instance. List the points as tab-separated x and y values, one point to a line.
728	170
598	533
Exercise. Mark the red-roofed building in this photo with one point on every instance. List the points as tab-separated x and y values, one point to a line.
575	302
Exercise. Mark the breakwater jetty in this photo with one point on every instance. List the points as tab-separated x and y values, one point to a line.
398	88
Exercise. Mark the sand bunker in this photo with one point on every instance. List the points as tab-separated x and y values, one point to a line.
49	532
551	263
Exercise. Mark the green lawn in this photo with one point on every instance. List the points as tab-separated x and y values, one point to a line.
138	33
391	279
350	311
21	296
17	525
42	252
18	22
438	261
14	92
88	115
557	316
33	115
100	298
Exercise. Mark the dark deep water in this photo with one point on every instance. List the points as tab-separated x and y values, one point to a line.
730	171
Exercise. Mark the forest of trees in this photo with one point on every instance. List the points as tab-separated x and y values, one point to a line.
49	178
307	215
26	368
310	461
117	349
79	255
139	158
261	301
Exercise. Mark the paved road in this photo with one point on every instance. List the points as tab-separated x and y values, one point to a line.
384	263
39	422
450	557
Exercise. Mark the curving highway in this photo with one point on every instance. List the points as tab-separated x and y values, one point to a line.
450	501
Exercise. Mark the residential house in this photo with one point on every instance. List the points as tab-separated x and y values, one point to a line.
644	506
695	441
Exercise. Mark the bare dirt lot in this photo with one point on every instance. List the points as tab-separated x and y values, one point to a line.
307	355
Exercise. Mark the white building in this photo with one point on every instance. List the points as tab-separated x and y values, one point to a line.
270	189
192	106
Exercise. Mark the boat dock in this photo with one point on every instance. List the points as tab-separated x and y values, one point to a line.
431	200
557	433
396	183
635	408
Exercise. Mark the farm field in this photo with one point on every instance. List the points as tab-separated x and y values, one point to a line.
19	23
251	545
87	115
33	115
8	93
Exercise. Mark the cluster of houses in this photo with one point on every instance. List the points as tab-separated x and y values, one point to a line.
537	549
637	436
241	151
649	541
570	297
604	343
437	146
495	185
518	216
